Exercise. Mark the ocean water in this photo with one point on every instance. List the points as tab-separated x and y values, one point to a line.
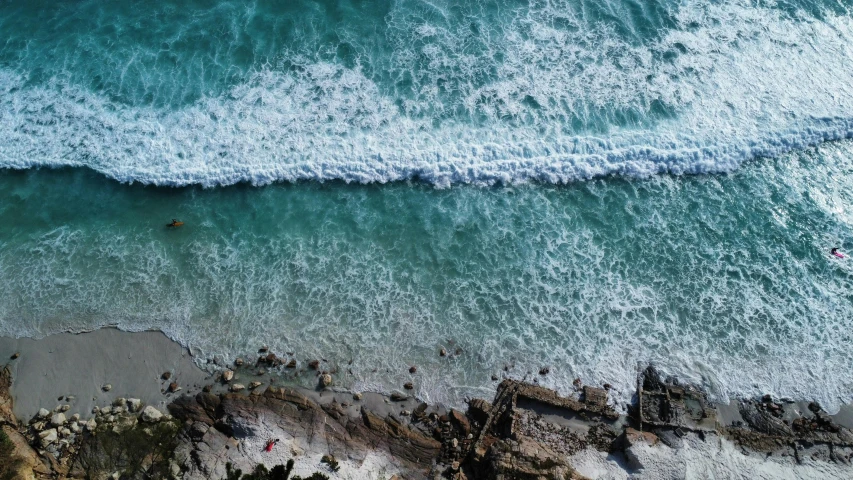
371	181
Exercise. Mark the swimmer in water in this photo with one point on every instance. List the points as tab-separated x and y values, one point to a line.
836	253
175	223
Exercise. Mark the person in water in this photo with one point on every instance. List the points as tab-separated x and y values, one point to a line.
175	223
836	253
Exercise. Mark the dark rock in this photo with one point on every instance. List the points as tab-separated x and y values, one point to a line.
442	353
544	370
595	396
409	386
314	364
479	409
652	380
607	386
166	375
173	387
413	369
15	355
763	421
291	363
460	421
263	349
399	396
494	378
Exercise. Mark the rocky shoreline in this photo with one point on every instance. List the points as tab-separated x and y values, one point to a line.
525	431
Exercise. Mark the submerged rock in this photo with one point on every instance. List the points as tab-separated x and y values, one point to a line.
325	380
227	376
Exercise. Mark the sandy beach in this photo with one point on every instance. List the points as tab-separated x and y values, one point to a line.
72	369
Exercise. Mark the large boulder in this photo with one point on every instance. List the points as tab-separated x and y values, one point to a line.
48	436
150	414
58	420
134	404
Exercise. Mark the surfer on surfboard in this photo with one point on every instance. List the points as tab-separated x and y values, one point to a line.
175	223
836	253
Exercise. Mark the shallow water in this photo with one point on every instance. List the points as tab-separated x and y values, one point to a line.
726	279
391	178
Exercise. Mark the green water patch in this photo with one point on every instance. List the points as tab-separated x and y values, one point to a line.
591	278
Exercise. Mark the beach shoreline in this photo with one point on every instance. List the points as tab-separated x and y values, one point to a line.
384	435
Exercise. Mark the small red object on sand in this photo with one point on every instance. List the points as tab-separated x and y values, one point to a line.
270	444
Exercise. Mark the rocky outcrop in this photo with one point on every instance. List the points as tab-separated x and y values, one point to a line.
525	432
341	431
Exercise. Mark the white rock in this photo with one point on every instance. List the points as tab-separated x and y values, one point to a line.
43	413
237	387
57	420
75	427
254	385
119	402
96	409
91	425
134	404
325	380
107	387
227	375
65	408
150	414
64	432
48	436
116	410
111	418
39	426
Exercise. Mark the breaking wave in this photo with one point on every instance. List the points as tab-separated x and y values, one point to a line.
543	94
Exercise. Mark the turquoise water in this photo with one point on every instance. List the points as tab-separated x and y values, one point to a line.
369	182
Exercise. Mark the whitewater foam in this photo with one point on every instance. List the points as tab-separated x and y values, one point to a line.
739	81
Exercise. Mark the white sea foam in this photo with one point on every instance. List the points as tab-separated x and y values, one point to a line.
679	284
742	81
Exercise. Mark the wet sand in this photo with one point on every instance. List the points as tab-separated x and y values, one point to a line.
80	365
